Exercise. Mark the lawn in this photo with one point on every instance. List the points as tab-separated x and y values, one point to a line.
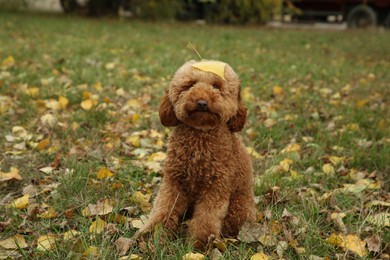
82	145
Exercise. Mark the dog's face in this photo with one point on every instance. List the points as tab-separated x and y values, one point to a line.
203	99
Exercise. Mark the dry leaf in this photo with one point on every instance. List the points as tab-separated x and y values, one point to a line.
381	219
91	252
215	67
87	104
123	245
97	226
104	173
250	232
260	256
374	243
328	169
48	214
350	243
285	164
103	207
291	148
14	242
13	174
277	90
68	235
21	203
193	256
46	242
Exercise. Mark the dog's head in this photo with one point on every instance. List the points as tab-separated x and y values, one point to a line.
204	95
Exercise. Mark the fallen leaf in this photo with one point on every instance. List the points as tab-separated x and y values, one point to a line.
97	226
104	173
294	147
193	256
14	242
87	104
349	243
63	101
374	243
285	164
215	254
46	242
277	90
48	214
328	169
131	257
260	256
91	251
381	219
250	232
21	203
123	245
8	62
13	174
68	235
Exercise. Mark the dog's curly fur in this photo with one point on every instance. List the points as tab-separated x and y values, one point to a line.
207	174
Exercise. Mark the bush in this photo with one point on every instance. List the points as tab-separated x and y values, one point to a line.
156	9
241	11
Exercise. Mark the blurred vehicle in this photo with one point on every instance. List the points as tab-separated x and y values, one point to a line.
356	13
94	7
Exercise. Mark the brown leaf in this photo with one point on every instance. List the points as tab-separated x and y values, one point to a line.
374	243
13	174
14	242
123	245
250	232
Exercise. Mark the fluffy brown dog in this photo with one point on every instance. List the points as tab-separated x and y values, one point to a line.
207	175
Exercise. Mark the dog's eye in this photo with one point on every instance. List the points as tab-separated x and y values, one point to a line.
189	85
217	86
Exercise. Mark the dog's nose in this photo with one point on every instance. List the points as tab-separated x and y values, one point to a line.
202	105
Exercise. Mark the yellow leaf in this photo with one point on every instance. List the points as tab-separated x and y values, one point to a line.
247	94
8	62
353	243
349	242
285	164
13	174
48	214
294	147
43	145
87	104
34	91
215	67
63	101
361	103
277	90
104	173
46	242
131	257
14	242
97	226
21	203
91	251
134	140
335	239
193	256
134	103
253	153
335	160
260	256
87	95
157	157
328	169
70	234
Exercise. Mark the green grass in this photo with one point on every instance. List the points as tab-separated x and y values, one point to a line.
335	102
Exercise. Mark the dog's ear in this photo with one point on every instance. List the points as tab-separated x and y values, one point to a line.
237	122
167	113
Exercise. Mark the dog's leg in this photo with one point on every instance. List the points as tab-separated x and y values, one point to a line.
207	219
168	207
241	209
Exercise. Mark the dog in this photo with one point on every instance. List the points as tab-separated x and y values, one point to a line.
207	175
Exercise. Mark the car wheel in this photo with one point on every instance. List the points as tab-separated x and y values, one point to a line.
361	16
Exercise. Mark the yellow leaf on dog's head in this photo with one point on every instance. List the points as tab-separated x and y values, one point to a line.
216	67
